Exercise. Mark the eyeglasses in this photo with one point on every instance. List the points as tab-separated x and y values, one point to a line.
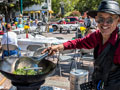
109	20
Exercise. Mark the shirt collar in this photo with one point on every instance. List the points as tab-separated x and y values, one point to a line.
113	37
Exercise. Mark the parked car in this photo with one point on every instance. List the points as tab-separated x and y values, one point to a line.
1	32
69	20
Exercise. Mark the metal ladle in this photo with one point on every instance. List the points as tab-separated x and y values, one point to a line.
41	57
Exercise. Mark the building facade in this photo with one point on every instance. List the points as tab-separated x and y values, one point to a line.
36	11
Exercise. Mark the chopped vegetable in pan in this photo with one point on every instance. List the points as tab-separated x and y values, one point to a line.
22	71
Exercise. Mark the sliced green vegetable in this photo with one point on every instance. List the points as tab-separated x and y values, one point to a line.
22	71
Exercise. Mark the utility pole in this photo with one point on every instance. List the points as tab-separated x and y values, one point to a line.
62	8
7	12
21	6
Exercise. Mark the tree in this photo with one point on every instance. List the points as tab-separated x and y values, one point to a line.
68	5
85	5
7	7
79	5
56	6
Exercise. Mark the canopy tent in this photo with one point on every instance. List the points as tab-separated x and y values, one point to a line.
31	12
37	11
33	8
51	11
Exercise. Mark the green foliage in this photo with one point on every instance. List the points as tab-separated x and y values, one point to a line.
16	6
68	5
27	3
85	5
56	6
67	14
75	13
79	5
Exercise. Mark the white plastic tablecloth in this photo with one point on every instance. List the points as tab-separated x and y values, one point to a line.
24	42
18	30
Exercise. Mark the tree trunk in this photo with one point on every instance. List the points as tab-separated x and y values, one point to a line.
7	14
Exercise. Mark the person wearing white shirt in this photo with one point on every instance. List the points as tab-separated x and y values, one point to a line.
9	38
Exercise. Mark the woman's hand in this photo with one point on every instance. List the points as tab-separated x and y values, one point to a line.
53	49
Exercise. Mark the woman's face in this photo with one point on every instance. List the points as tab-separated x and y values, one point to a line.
106	22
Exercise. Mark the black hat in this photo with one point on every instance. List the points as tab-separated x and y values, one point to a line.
110	6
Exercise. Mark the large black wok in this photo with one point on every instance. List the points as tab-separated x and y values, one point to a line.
6	69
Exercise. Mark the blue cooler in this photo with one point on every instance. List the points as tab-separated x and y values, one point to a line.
50	29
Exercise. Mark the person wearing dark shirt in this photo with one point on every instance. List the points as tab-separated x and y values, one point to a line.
3	27
35	23
106	44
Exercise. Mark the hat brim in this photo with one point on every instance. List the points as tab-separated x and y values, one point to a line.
94	13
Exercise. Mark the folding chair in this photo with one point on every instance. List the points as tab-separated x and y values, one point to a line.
87	60
66	56
86	55
38	52
9	47
32	48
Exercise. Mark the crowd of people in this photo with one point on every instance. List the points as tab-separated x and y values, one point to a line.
19	22
10	37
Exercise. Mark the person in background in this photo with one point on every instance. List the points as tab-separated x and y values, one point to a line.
106	44
1	20
43	18
90	24
93	23
35	23
9	38
87	22
15	19
3	27
28	22
63	21
21	18
20	25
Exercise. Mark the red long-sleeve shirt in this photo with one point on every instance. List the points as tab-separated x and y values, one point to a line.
94	39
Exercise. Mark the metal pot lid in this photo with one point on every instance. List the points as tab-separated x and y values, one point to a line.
79	72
